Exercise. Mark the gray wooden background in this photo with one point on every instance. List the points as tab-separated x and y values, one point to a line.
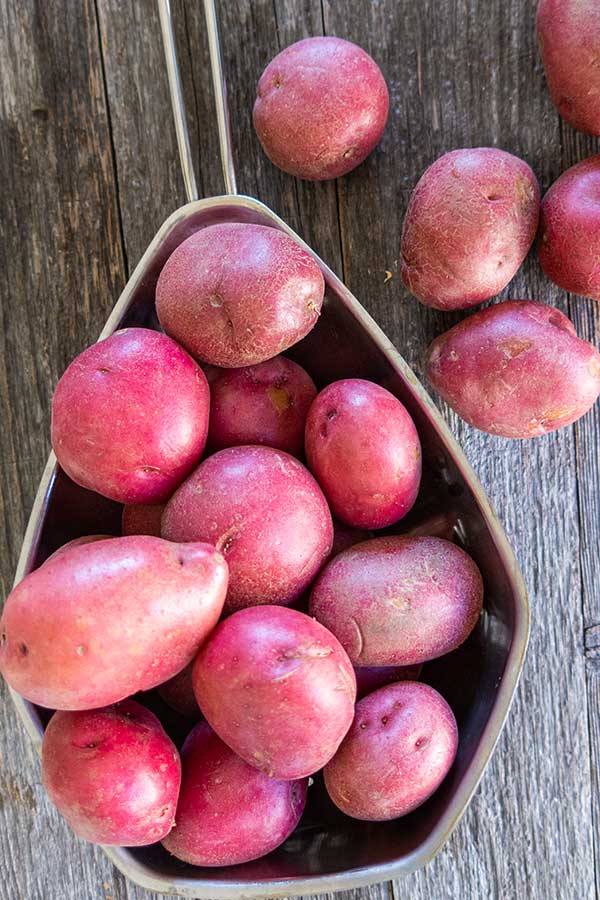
88	170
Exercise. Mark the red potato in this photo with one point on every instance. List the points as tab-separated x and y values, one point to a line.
178	693
370	678
142	519
399	601
516	369
112	773
229	812
469	225
321	108
400	748
263	404
569	38
265	512
278	688
364	450
101	621
130	416
569	243
238	294
77	542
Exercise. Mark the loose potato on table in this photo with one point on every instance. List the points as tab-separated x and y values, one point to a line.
321	108
363	448
399	601
101	621
237	294
278	688
229	812
569	243
400	748
130	416
469	225
112	773
265	512
516	369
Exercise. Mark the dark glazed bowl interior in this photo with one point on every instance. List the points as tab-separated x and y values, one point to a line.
330	851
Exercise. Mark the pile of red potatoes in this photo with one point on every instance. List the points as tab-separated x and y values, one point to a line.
251	586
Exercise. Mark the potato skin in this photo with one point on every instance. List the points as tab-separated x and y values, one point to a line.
112	773
364	450
569	243
569	35
278	688
370	678
178	693
142	519
236	294
130	416
398	751
263	404
469	225
78	541
229	812
101	621
399	601
321	108
516	369
265	512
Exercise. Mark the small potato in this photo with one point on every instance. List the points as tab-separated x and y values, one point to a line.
399	601
178	693
130	417
321	108
364	450
142	519
101	621
569	37
370	678
238	294
569	243
278	688
265	512
469	225
400	748
112	773
229	812
516	369
263	404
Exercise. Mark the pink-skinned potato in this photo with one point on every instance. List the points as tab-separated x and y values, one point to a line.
363	448
101	621
112	773
142	518
265	512
321	108
278	688
263	404
569	37
400	748
516	369
569	242
370	678
469	225
399	601
178	693
229	812
78	541
237	294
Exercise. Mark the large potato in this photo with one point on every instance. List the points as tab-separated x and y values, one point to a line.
364	450
516	369
569	38
130	416
321	108
237	294
265	512
113	774
229	812
400	748
278	688
399	601
469	225
101	621
263	404
569	243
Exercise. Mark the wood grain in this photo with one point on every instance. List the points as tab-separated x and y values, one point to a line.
88	158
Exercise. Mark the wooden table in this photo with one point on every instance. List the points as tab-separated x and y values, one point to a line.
89	168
